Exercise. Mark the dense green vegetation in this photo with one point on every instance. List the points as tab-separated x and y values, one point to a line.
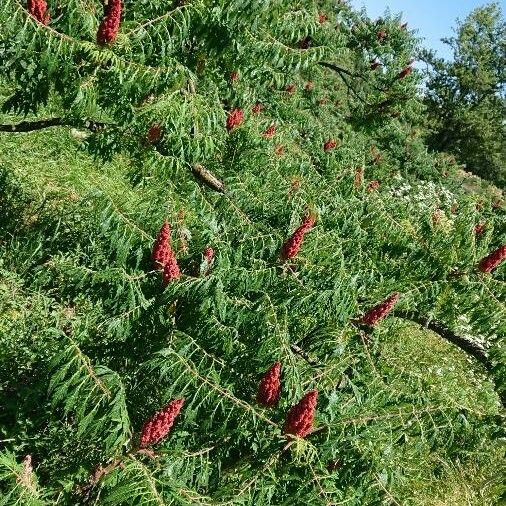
92	343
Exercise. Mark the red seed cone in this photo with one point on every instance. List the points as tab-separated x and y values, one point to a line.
405	72
269	132
159	425
378	312
38	9
292	245
329	145
171	270
322	17
299	419
234	119
491	261
161	247
109	26
257	108
270	386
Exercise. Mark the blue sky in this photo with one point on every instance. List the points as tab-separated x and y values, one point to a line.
433	19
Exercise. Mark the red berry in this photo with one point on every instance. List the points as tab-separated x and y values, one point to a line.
299	419
270	386
159	425
378	312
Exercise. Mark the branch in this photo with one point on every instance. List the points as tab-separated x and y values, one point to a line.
473	348
30	126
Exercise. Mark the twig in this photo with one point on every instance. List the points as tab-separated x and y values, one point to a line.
30	126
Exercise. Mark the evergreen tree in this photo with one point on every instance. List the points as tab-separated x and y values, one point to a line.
263	289
466	97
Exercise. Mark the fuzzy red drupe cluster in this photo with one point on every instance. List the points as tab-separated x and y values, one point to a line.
269	132
38	9
299	419
269	387
491	261
154	133
234	118
292	245
405	72
159	425
109	26
329	145
163	257
378	312
257	108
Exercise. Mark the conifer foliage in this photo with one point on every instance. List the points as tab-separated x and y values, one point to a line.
210	201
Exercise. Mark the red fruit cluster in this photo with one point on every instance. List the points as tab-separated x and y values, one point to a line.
208	259
234	119
109	26
491	261
38	9
359	177
270	386
309	86
381	35
257	108
161	248
234	75
269	132
154	133
305	42
159	425
405	72
378	312
279	150
290	89
479	229
208	255
322	17
171	270
299	419
292	245
329	145
372	186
